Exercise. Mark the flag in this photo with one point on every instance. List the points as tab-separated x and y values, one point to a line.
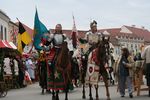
39	32
74	33
23	38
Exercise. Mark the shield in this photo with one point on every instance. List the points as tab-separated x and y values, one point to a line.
90	69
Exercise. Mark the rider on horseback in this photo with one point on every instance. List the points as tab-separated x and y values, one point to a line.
96	59
56	40
93	36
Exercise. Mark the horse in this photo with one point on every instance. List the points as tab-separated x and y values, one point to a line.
42	71
83	54
82	59
99	58
75	69
60	72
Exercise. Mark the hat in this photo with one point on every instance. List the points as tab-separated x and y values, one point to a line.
93	23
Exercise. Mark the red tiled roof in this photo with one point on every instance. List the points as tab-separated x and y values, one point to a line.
143	33
29	30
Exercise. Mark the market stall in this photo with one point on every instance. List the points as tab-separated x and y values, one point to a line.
9	57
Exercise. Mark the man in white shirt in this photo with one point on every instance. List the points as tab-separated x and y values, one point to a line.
146	56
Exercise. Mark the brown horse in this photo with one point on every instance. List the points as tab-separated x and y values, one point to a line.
62	71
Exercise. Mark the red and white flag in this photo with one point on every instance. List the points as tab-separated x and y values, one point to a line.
74	34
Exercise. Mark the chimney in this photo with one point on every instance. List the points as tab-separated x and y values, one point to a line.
142	27
133	25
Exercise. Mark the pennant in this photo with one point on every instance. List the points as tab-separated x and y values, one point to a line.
74	34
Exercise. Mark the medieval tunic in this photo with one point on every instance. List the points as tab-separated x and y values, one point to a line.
92	75
94	69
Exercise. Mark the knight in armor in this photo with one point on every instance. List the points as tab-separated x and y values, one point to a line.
93	36
56	39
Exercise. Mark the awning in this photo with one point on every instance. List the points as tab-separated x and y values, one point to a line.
2	45
12	45
6	44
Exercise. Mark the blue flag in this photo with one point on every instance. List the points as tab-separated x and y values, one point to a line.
39	31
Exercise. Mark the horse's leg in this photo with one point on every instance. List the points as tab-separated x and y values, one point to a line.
83	92
96	88
53	95
42	90
57	95
76	84
90	89
66	92
107	90
42	81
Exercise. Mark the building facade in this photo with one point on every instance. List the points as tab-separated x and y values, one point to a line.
130	37
4	26
13	32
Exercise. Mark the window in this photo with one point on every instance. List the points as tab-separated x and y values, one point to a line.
131	45
135	46
5	33
127	45
1	32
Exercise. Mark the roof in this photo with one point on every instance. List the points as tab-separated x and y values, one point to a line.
2	12
141	32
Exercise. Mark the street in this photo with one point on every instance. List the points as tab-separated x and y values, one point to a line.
33	92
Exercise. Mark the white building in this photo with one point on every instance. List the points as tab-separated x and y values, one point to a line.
4	26
130	37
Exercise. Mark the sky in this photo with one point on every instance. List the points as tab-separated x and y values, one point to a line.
107	13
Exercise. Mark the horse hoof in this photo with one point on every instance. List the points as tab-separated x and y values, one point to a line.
97	98
91	98
83	97
53	98
108	99
57	98
42	92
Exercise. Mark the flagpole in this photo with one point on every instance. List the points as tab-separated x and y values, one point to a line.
18	19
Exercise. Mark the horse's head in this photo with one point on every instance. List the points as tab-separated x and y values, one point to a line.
103	49
63	57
